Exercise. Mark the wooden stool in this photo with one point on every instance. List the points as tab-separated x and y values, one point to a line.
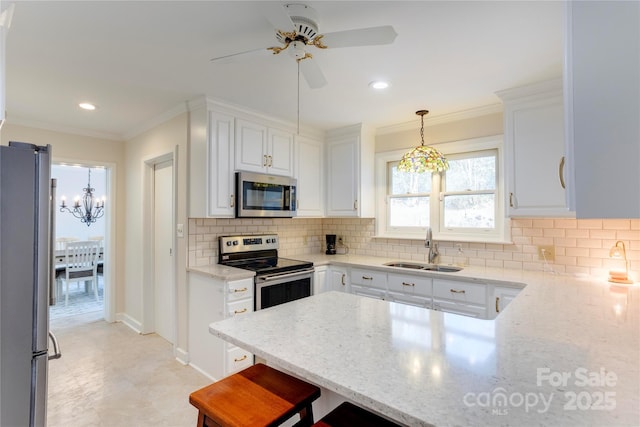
348	415
256	396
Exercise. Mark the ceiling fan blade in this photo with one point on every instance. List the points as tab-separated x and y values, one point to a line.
277	16
360	37
312	73
240	56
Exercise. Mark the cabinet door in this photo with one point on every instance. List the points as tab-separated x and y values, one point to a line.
535	150
310	175
320	280
342	177
220	181
280	152
338	279
502	296
251	147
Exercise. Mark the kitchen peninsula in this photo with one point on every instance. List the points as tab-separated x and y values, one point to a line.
558	355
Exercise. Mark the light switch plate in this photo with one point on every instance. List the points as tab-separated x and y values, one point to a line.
180	230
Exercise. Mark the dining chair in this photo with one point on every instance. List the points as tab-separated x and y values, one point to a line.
81	259
62	241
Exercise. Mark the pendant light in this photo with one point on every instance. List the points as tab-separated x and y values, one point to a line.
423	158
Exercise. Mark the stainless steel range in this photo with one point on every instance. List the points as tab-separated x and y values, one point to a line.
278	280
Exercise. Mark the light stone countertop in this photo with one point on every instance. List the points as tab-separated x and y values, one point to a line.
222	272
565	352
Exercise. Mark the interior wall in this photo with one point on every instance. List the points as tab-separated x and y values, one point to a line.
85	149
474	127
151	144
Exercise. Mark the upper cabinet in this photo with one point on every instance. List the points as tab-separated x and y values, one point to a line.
535	150
211	175
602	105
350	177
309	167
262	149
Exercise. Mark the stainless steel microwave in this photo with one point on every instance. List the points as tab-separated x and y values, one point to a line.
262	195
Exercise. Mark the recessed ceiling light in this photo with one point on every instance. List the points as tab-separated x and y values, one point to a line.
379	84
87	106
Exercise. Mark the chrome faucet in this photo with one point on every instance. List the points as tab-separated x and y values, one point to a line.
433	253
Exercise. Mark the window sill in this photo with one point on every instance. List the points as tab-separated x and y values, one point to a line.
469	239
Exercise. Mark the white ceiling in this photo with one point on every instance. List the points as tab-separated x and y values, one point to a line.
139	59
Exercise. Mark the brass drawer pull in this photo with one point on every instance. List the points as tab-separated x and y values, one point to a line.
367	278
561	173
240	359
408	284
497	304
237	290
244	310
455	291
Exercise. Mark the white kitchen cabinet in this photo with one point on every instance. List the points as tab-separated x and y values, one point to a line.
370	283
320	279
407	289
535	150
350	177
262	149
211	300
602	105
211	175
455	296
309	166
338	279
502	296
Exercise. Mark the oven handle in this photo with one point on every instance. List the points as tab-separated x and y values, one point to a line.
263	279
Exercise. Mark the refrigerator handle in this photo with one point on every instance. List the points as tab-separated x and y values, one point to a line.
56	347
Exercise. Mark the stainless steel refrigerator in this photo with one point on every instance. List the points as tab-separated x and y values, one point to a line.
25	277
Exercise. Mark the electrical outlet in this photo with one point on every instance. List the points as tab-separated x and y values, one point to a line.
341	240
546	253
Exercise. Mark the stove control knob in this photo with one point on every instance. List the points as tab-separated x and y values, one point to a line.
273	240
229	243
268	240
235	243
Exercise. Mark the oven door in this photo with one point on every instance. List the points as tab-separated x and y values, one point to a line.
280	288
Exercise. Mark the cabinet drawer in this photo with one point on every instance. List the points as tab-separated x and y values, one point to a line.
404	298
465	292
411	285
238	359
238	308
375	279
368	292
459	308
239	289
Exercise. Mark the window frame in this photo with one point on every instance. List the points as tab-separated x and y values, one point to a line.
499	234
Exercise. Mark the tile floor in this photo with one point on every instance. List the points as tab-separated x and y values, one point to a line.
110	376
80	301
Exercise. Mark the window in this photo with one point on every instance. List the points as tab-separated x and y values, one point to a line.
463	203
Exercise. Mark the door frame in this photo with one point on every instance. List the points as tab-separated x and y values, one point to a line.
110	241
148	244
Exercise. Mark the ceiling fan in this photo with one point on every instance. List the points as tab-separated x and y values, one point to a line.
296	28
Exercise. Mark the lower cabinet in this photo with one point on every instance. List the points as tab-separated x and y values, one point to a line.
502	296
320	279
211	300
413	290
338	279
467	298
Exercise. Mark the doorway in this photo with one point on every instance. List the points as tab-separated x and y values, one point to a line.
71	181
159	270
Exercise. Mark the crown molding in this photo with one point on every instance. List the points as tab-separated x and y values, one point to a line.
17	121
443	118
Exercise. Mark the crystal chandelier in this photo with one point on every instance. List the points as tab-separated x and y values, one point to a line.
423	158
89	209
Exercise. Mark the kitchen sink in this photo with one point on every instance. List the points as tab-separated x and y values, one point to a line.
418	266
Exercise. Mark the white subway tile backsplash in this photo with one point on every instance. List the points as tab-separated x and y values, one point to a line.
581	246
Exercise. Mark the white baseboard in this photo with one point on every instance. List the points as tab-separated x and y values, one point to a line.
203	372
130	322
182	356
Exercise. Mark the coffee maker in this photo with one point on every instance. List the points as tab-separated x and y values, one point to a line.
331	244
